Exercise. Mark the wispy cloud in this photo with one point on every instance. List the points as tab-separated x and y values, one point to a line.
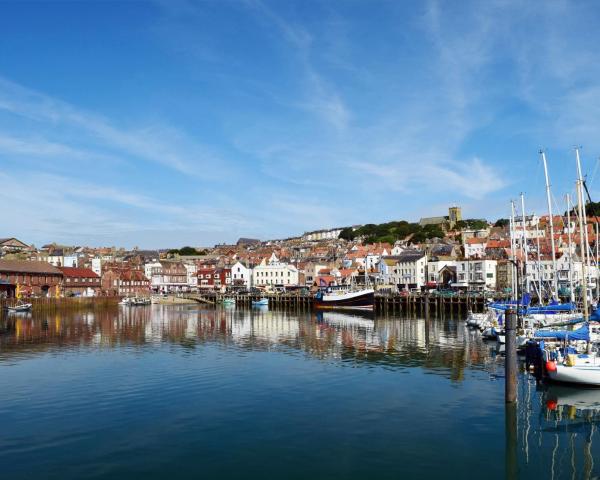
47	205
321	96
156	143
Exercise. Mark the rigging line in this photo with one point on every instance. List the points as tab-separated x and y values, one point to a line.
595	171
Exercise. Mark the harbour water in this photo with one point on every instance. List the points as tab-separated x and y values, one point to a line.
184	392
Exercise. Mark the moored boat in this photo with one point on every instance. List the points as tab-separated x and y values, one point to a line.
580	374
135	301
20	307
345	298
263	302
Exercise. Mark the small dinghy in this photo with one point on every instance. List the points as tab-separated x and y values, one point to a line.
263	302
20	307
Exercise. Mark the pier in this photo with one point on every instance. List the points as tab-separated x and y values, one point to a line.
414	303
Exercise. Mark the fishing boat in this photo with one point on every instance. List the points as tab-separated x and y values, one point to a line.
228	301
263	302
343	297
346	296
20	307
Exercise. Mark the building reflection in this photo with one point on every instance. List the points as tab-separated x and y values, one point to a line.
435	344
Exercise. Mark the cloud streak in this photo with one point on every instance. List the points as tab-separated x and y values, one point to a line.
158	144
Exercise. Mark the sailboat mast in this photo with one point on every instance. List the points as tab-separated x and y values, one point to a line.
570	248
548	198
525	249
513	276
597	281
540	270
582	225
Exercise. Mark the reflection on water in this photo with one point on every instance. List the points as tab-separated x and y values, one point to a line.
359	337
558	430
183	392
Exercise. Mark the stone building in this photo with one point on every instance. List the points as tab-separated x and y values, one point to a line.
125	282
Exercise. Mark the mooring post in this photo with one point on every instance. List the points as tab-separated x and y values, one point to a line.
510	362
511	439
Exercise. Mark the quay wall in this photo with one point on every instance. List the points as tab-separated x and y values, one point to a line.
51	304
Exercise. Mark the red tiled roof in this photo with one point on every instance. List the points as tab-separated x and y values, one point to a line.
78	272
474	241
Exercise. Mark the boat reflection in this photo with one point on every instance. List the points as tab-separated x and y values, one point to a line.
442	344
558	430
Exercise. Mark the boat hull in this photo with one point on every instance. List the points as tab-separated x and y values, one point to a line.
350	301
580	375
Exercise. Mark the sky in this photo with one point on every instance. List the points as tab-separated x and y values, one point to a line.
170	123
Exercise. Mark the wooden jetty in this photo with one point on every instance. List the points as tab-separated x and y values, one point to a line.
418	303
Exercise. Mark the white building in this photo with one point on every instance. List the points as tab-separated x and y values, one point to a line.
407	270
58	259
97	266
476	274
329	234
241	275
434	269
569	271
475	247
274	273
192	275
166	276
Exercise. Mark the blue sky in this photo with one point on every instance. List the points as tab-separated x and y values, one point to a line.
168	123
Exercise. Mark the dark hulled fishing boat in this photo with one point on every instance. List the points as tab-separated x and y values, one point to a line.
351	298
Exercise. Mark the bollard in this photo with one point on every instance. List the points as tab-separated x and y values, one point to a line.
510	362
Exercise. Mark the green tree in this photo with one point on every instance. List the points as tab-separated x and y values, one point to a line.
188	251
347	234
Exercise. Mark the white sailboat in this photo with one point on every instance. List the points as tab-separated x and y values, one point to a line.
579	369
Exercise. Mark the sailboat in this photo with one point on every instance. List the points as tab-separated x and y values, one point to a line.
566	365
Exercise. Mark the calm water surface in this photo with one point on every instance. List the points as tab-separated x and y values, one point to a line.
182	392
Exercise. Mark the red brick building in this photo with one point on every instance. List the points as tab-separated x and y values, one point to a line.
125	282
213	278
80	282
33	278
206	277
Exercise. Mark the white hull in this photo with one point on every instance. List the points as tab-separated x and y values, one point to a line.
25	307
580	374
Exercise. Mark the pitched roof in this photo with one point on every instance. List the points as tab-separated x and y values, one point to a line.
6	240
475	241
18	266
406	256
78	272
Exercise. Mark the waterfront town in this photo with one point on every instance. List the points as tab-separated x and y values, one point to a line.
445	253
